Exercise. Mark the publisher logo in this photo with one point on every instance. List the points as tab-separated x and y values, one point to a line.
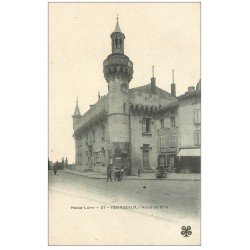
186	231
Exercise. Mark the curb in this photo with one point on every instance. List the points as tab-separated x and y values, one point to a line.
130	179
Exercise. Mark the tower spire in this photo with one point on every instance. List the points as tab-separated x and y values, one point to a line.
173	75
153	71
117	27
77	110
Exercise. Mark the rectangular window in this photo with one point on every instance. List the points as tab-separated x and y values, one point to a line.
162	123
176	121
197	138
158	125
165	122
172	122
146	128
173	140
197	116
162	138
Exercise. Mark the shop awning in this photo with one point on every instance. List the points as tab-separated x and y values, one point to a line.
189	152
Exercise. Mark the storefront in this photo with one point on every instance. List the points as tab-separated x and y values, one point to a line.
169	160
190	160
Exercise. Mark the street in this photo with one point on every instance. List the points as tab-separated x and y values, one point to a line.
91	211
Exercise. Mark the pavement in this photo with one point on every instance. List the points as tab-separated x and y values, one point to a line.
144	176
85	211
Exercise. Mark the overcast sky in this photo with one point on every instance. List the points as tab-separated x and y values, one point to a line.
164	35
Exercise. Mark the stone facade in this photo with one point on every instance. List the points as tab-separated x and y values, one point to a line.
130	127
190	129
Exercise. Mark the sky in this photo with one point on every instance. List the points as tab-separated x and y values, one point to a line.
163	35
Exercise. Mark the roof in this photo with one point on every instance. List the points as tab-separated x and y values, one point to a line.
147	89
77	110
170	104
190	94
117	27
95	112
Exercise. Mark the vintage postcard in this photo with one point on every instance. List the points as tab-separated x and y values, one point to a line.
124	162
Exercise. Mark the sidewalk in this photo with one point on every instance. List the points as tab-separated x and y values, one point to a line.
144	176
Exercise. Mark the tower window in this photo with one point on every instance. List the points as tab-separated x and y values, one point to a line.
124	108
146	128
116	42
172	121
162	123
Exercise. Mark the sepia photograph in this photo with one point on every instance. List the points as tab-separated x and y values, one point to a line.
124	163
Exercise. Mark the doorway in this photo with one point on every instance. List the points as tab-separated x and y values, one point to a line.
145	158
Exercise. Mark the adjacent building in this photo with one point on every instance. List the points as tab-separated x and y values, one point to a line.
134	127
190	129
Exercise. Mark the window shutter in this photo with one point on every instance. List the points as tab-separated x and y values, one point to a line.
195	116
176	121
144	125
196	138
165	122
168	123
199	115
158	125
162	142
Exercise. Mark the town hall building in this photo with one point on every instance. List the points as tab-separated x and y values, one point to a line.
142	126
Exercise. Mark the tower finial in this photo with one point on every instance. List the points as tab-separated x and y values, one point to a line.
153	71
117	27
77	110
173	74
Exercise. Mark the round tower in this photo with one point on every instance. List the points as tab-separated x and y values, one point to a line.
118	72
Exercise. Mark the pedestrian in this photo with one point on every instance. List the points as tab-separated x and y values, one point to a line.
115	174
55	168
139	171
122	172
109	173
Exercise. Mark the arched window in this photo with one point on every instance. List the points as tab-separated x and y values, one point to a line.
116	42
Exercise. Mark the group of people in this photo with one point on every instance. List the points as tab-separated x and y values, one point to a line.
118	173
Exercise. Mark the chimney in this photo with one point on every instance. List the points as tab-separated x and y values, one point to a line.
191	89
153	84
173	91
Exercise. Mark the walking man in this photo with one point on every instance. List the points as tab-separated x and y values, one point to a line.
139	171
109	174
55	168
